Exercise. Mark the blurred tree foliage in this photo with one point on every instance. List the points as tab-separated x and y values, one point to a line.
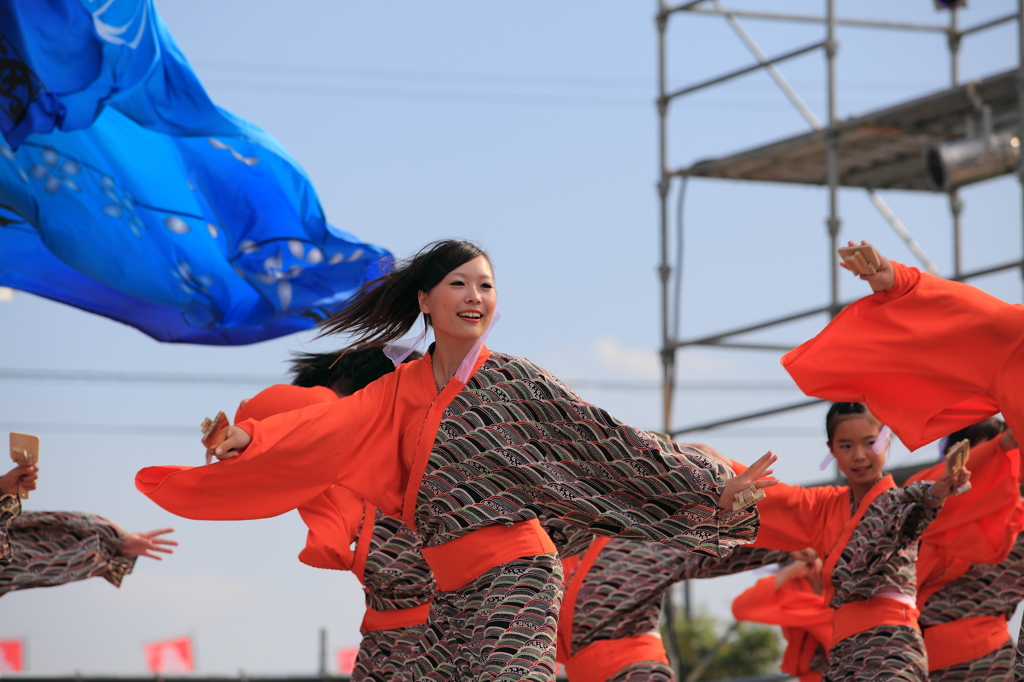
750	649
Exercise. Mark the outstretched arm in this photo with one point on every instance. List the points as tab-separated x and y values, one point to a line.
145	543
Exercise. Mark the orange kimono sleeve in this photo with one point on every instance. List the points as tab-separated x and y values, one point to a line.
926	356
334	519
805	620
795	518
789	606
294	456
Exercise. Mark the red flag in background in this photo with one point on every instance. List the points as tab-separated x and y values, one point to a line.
12	656
346	660
170	656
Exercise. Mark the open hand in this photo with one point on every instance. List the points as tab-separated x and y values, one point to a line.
884	279
144	544
236	443
751	477
946	485
19	477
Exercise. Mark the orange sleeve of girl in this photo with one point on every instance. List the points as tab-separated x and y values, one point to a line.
925	356
793	518
788	606
295	456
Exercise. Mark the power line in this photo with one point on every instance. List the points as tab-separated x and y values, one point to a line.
218	379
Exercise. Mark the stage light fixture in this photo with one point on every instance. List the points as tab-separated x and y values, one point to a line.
953	164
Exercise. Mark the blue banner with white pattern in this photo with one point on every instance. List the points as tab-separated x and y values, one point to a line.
126	192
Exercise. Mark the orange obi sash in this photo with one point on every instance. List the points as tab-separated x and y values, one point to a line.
460	561
600	661
964	640
857	616
393	619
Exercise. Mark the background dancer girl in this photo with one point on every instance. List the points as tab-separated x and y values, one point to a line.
348	534
928	355
971	565
867	535
469	446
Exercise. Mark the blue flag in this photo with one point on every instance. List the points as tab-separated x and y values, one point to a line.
126	192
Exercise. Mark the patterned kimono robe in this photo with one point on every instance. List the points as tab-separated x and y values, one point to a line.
929	357
470	469
870	556
608	626
46	549
805	620
981	600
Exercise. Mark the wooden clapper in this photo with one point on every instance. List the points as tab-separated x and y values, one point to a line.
24	452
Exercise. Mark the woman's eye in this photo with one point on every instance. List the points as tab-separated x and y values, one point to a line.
458	283
487	285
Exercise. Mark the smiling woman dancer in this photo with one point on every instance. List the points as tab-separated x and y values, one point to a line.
468	447
867	535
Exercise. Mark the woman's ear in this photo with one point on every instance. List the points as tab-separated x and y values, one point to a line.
421	296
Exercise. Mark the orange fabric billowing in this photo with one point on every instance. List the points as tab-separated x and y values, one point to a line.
601	660
379	427
977	527
805	619
283	398
375	621
964	640
333	517
928	357
855	617
460	561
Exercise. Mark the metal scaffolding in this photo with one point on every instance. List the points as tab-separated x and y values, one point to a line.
881	150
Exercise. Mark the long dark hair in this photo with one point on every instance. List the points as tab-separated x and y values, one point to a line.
345	372
385	309
840	412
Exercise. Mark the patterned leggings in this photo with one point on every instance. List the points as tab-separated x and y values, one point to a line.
383	653
499	628
886	652
994	667
648	671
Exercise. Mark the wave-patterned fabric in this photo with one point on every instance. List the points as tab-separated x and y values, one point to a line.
383	653
984	590
621	594
995	667
46	549
648	671
882	555
516	443
882	551
886	652
500	627
396	575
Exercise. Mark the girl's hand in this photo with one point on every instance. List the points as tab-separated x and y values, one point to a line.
948	484
751	477
144	544
796	569
19	477
884	279
234	445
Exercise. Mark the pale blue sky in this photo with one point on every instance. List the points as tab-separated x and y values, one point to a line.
530	128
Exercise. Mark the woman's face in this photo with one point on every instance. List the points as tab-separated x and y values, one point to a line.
851	446
461	305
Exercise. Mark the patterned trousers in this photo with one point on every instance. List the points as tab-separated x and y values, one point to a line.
383	653
647	671
886	652
994	667
499	628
